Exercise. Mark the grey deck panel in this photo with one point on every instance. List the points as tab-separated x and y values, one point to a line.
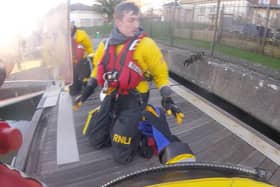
209	140
270	166
67	148
275	178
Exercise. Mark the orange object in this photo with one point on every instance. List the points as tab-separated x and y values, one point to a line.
10	138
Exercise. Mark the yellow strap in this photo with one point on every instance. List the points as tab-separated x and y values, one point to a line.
89	116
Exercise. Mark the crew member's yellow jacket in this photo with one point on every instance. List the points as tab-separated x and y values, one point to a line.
83	39
150	59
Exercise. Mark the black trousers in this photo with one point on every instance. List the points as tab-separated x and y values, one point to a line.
76	86
81	70
2	76
117	124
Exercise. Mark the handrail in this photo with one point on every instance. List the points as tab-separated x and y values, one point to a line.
17	99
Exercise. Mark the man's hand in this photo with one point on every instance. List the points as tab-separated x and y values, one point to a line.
77	103
171	108
89	89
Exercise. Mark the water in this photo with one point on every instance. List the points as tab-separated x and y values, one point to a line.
18	116
23	110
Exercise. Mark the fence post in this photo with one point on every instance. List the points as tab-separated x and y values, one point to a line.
173	24
170	15
151	22
221	29
265	29
192	23
216	28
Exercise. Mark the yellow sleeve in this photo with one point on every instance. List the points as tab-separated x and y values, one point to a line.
156	64
97	58
83	38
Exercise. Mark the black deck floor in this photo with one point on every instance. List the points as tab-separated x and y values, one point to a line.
209	141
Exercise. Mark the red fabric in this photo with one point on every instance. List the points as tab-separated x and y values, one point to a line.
152	144
101	69
12	178
10	138
77	51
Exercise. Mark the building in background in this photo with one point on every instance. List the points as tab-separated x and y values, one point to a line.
264	8
84	16
148	6
241	11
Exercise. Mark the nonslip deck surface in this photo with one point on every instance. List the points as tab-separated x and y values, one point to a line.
208	139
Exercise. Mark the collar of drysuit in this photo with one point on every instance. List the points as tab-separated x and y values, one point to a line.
117	38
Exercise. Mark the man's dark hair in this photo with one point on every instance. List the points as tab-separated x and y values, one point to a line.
125	7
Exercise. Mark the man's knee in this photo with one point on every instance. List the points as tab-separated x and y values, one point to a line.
124	148
99	141
123	156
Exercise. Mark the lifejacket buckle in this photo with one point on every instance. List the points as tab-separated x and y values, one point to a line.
110	76
105	87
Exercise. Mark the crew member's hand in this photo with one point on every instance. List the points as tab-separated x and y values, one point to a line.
87	91
171	108
77	103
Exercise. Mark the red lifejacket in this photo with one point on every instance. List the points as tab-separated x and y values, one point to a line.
121	71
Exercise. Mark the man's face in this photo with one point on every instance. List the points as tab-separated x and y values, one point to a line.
128	25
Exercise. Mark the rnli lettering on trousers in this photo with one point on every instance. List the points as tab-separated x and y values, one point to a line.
121	139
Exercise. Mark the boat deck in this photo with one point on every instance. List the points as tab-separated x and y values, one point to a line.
202	130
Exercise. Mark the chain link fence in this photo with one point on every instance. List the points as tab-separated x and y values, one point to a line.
234	31
221	28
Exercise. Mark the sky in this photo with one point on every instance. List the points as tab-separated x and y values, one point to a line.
87	2
154	3
20	17
25	10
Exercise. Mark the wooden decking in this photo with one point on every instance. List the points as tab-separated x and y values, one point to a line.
209	140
